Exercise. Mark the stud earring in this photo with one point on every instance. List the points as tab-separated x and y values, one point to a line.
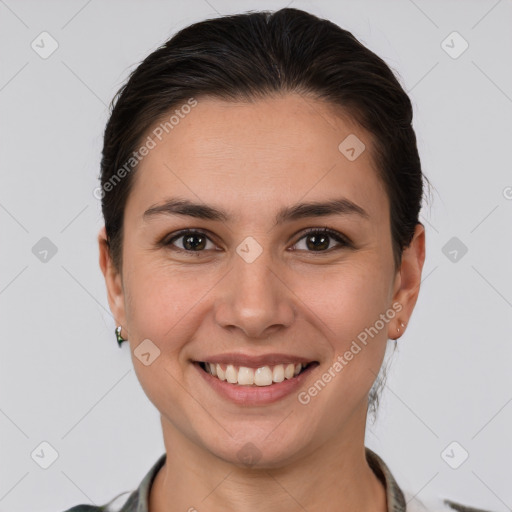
120	339
398	329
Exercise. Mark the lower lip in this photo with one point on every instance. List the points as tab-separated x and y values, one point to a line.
255	395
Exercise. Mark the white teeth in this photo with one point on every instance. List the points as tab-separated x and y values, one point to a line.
263	376
278	373
231	374
245	376
289	371
221	374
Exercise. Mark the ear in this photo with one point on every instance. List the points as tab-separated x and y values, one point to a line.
408	280
113	281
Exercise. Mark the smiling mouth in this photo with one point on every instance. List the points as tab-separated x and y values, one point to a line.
262	376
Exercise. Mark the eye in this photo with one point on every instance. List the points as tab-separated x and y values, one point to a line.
318	240
191	241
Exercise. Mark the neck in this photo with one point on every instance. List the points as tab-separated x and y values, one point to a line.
334	476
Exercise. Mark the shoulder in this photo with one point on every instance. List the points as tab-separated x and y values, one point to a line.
118	504
401	500
136	501
413	504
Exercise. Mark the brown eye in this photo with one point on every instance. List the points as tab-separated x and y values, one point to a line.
319	240
190	241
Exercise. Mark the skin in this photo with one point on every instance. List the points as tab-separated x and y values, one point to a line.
251	159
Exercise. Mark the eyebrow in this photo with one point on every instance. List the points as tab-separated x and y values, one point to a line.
178	206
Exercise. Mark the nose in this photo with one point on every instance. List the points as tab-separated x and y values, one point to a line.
254	298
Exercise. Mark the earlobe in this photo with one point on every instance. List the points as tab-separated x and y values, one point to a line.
113	281
409	279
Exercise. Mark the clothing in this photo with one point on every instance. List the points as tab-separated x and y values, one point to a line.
397	500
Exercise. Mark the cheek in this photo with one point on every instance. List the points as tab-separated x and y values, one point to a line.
162	301
346	299
347	306
350	306
161	308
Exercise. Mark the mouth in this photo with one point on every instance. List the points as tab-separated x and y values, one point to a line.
255	377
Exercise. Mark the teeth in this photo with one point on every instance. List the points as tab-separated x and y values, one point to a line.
263	376
245	376
221	374
289	371
278	373
231	374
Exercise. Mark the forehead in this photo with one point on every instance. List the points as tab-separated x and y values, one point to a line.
245	155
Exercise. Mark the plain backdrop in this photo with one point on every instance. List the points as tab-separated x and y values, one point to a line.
63	379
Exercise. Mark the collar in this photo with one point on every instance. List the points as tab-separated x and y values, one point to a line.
395	496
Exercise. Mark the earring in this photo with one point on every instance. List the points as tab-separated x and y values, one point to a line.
398	329
120	339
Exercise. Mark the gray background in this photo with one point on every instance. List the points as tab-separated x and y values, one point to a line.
63	378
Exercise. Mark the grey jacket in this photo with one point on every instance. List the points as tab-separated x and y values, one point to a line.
398	500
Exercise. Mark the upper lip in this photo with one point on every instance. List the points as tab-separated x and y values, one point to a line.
251	361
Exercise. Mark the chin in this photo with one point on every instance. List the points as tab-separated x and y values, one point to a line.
259	451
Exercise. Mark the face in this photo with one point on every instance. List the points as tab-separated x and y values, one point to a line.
250	278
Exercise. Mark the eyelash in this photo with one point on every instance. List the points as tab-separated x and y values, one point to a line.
342	240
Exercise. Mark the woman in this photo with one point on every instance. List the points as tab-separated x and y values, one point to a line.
261	187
